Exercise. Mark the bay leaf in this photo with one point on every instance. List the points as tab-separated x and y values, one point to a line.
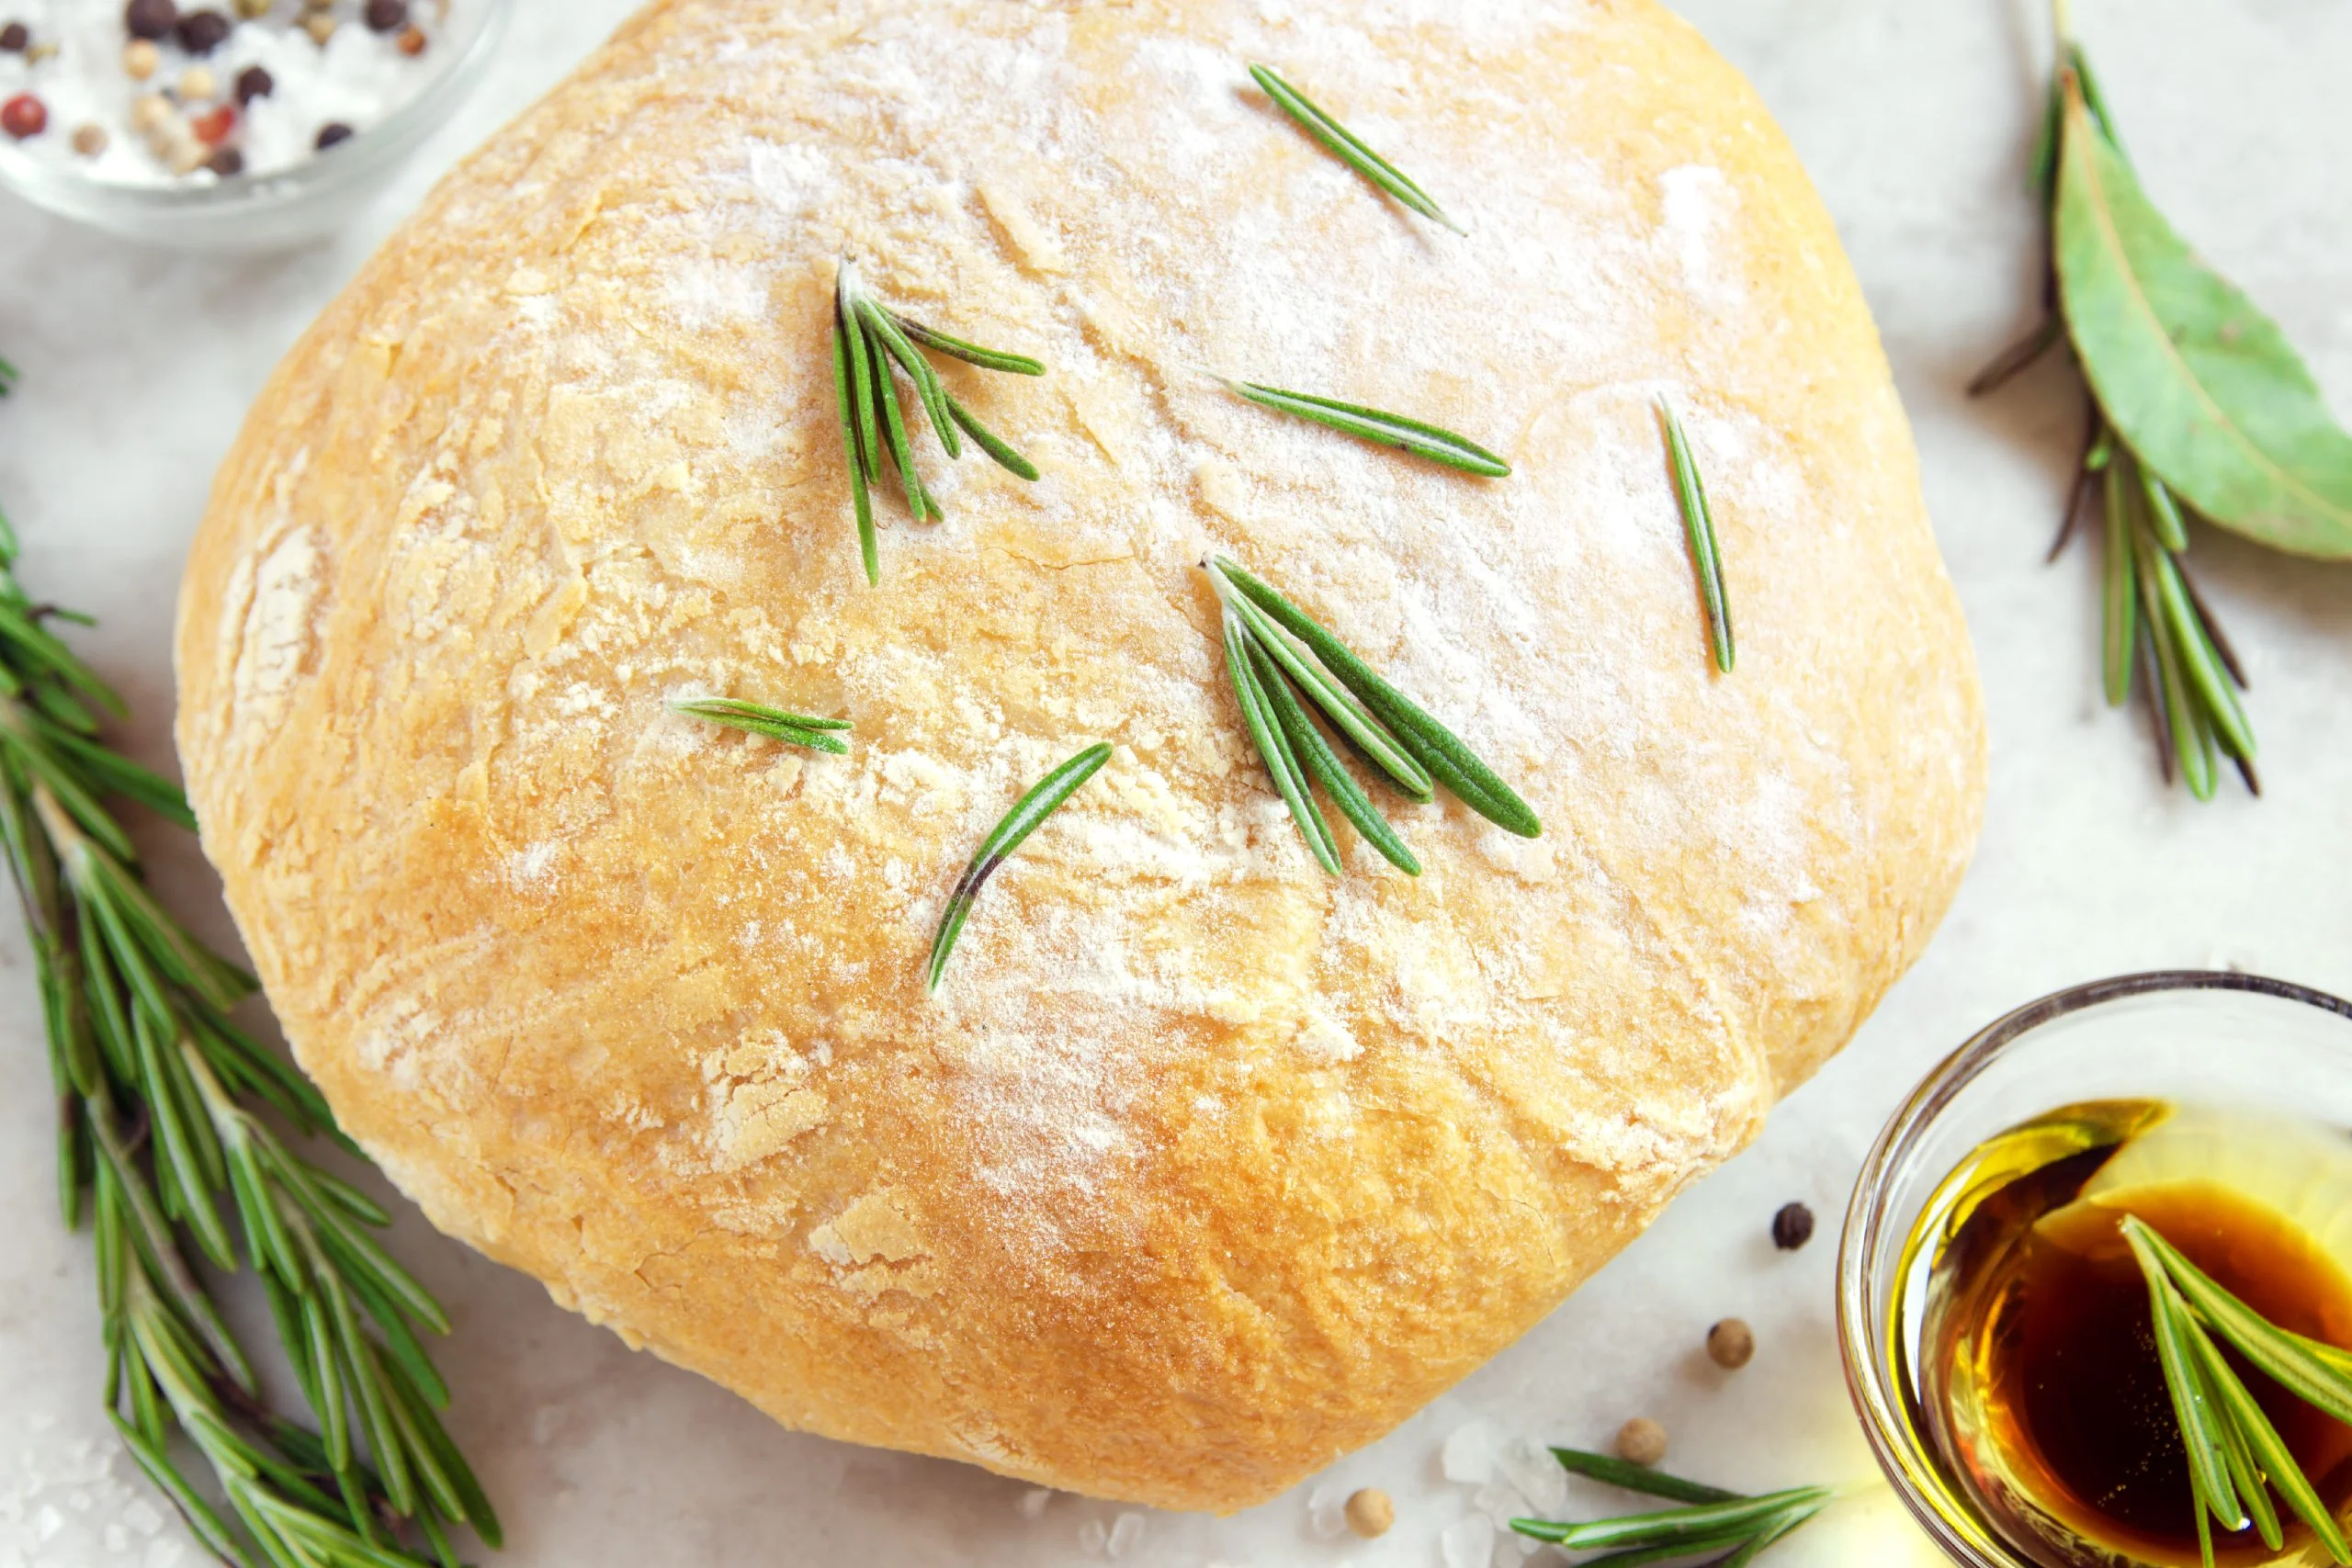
2204	386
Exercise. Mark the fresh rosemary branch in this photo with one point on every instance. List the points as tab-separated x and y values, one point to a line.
1349	148
1710	1519
158	1093
867	339
816	734
1382	429
2197	406
2236	1456
1276	654
1699	521
1027	816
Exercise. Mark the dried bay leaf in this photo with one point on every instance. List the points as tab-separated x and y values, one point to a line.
2204	386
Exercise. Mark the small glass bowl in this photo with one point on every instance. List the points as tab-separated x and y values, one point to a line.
269	211
2185	1036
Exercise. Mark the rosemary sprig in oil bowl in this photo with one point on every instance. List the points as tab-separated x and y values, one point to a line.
1276	655
868	339
1728	1529
159	1095
1028	813
2236	1457
2215	416
1349	148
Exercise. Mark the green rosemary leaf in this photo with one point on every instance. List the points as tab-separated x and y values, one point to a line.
2164	512
1350	149
2198	1422
1435	748
2183	717
2204	386
1382	429
123	776
852	454
2198	659
1306	743
970	353
2318	1381
1274	748
862	370
1764	1539
1693	1527
1664	1552
1338	704
474	1502
1026	817
991	443
207	1526
1699	522
2119	593
1610	1471
928	391
775	723
894	440
2250	1445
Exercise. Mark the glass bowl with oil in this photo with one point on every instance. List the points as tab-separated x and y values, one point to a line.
1995	1329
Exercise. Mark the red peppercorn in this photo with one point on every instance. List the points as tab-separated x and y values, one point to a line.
24	116
213	128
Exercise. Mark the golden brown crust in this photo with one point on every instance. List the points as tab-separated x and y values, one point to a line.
1202	1168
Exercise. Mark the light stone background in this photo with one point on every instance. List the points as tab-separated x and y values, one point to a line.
1912	116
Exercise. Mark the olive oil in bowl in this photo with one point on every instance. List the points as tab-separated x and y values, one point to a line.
2037	1379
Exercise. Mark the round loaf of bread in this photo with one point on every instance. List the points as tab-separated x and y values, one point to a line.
1202	1166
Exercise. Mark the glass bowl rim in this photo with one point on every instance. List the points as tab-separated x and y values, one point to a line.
1860	1334
62	188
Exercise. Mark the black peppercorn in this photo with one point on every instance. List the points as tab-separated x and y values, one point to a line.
331	134
202	32
386	16
1791	1227
226	162
151	19
14	37
253	82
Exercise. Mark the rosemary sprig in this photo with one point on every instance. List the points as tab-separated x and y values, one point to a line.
1026	817
1711	1520
2155	623
867	339
792	728
1699	522
2236	1456
158	1092
2197	406
1276	654
1412	436
1349	148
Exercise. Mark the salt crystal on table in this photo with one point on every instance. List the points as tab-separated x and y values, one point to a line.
1034	1501
116	1538
1469	1456
1538	1476
1467	1543
1327	1513
141	1516
1092	1538
1126	1534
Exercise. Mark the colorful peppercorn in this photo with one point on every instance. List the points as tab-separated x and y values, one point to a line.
151	19
385	15
24	116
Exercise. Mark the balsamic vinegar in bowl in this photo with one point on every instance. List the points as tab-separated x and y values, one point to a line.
2037	1377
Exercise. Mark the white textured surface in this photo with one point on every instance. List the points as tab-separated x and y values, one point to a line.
1913	119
